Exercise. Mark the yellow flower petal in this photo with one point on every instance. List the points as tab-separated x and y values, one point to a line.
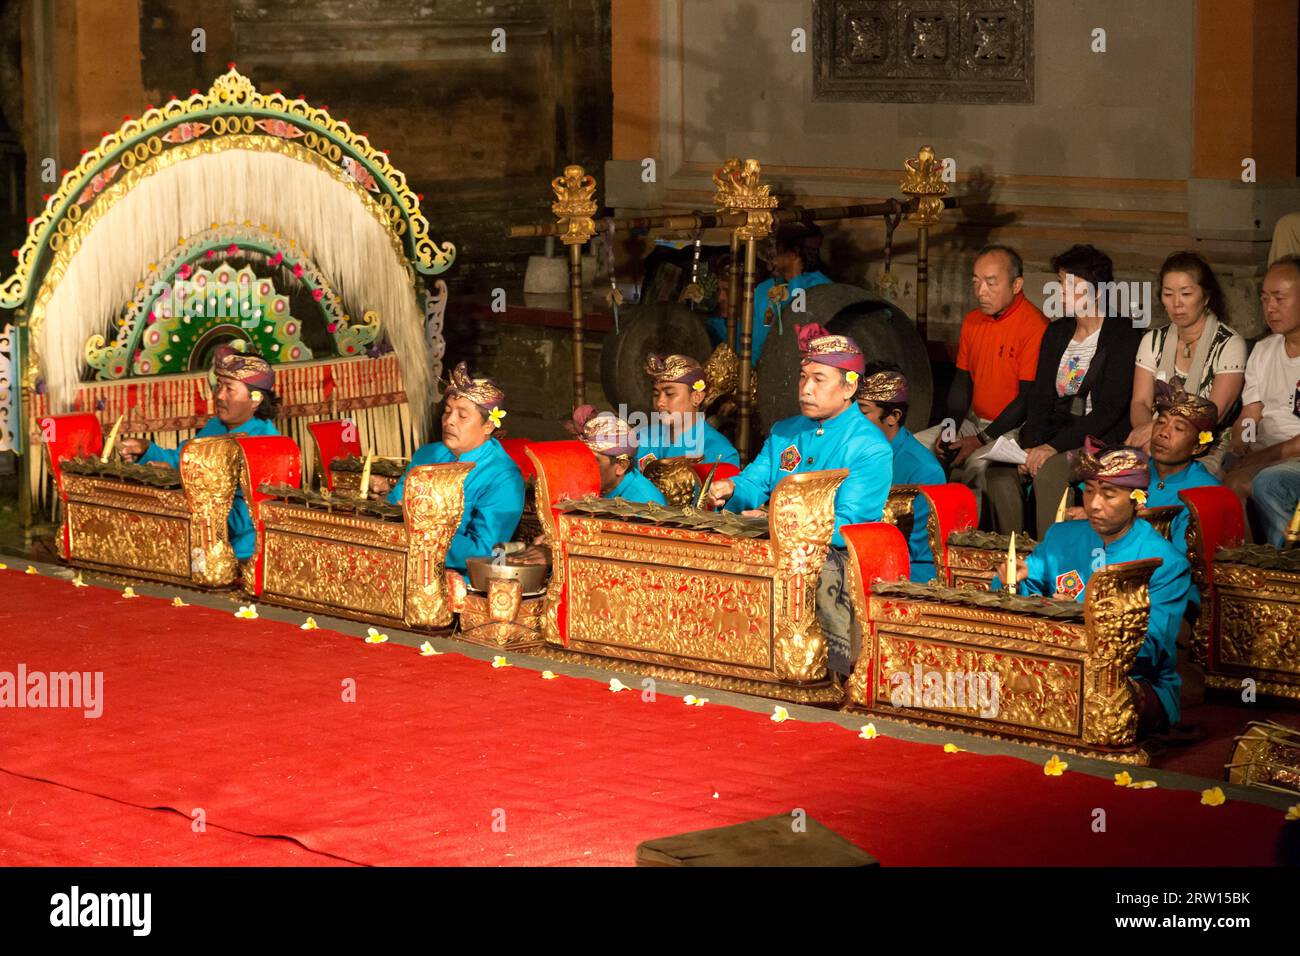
248	613
548	675
690	700
1293	812
428	650
177	602
309	625
77	582
1054	767
1143	785
3	566
1205	438
500	661
129	592
374	637
31	570
779	714
616	685
1123	778
952	749
715	794
1213	797
1139	496
868	732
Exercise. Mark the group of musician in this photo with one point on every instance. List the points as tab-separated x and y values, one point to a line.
1120	417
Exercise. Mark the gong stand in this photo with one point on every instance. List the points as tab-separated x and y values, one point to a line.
746	207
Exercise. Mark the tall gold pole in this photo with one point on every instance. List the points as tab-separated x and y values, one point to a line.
1292	537
924	183
574	207
739	190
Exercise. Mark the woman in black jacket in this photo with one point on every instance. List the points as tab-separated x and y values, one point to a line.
1083	387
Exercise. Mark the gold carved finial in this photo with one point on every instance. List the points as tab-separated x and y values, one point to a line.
923	181
739	190
574	205
232	87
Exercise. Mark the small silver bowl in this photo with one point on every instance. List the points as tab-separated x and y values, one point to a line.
482	572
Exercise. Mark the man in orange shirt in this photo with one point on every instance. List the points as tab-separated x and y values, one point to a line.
997	359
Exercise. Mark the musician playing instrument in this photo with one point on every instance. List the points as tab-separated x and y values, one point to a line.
243	390
1115	481
680	429
494	488
609	437
830	434
883	398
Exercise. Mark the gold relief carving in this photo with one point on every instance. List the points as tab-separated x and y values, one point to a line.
898	506
675	478
1033	693
1117	610
801	519
433	503
1162	518
682	613
857	687
1260	634
1202	631
501	618
108	535
346	527
923	181
573	204
333	574
739	189
210	470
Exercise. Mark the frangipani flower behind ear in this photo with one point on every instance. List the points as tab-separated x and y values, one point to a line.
1205	437
1140	496
496	415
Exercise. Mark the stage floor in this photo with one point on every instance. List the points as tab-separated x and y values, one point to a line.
229	741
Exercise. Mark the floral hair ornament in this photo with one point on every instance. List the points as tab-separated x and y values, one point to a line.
496	415
851	376
1205	438
698	386
1139	496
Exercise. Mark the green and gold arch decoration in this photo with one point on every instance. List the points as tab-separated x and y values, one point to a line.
178	189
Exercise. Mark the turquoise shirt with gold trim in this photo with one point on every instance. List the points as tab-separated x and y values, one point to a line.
494	498
801	444
702	441
239	523
637	487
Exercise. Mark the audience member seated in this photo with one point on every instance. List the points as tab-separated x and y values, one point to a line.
883	396
795	259
1115	479
1196	352
609	437
679	429
830	434
494	488
243	388
1264	466
1082	387
997	358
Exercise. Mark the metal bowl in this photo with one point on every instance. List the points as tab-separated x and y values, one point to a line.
482	572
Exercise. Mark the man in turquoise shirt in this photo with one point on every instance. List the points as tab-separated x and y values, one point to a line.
796	264
831	433
1184	430
679	429
883	398
242	389
614	446
1115	480
494	488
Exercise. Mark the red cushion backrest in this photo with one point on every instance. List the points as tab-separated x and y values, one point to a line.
955	509
330	443
70	436
877	552
517	449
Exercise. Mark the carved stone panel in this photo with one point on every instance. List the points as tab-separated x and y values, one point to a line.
924	51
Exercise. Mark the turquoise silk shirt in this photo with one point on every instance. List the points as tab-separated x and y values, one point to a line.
1164	491
801	444
914	464
494	498
638	488
1069	554
239	524
805	280
703	441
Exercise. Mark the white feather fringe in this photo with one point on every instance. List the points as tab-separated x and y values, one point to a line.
293	198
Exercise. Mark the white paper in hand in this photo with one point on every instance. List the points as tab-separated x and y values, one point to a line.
1004	450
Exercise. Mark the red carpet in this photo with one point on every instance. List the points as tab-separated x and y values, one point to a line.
245	719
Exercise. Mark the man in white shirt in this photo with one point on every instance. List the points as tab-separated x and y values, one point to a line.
1266	438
